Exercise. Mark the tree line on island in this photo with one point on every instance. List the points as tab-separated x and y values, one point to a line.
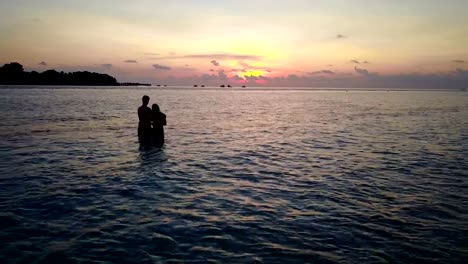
14	74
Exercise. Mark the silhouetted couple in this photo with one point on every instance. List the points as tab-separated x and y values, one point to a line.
151	125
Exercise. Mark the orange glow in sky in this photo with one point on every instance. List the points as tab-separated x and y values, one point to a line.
296	43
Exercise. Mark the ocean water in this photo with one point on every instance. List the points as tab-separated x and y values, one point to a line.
245	176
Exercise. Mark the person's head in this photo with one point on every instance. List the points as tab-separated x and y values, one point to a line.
145	99
156	108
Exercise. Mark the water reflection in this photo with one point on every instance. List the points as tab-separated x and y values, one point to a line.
278	177
152	156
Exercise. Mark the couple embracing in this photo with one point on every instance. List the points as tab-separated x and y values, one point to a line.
151	125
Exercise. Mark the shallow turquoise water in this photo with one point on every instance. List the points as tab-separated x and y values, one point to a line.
276	176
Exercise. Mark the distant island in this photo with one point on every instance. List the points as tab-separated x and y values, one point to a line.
134	84
14	74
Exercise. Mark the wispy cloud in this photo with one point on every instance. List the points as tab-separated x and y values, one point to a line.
364	72
237	78
458	61
214	56
354	61
131	61
106	65
321	72
161	67
43	63
339	36
247	67
225	56
256	78
214	62
151	54
361	71
221	76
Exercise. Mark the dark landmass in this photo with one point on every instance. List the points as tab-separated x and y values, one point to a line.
134	84
14	74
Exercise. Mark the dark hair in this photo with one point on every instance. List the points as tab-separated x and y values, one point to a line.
156	108
145	99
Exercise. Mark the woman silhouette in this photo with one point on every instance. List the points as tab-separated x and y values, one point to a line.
158	121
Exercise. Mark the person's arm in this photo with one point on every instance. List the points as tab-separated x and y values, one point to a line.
163	119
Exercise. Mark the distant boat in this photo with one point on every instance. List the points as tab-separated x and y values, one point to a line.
243	86
202	85
195	85
158	85
229	86
165	85
222	86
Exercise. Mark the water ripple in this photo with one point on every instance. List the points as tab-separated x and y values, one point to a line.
245	177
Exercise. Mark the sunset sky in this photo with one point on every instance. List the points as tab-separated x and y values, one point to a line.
329	43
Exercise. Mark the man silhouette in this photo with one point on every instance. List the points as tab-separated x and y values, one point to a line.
144	126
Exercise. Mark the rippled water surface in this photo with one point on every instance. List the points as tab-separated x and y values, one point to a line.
278	176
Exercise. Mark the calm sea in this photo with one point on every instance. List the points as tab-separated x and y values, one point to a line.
245	176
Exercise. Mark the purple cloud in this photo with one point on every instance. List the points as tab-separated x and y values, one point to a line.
131	61
161	67
214	62
361	71
237	78
222	75
215	56
362	78
321	72
364	72
43	63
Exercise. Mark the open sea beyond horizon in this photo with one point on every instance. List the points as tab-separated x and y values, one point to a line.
245	176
